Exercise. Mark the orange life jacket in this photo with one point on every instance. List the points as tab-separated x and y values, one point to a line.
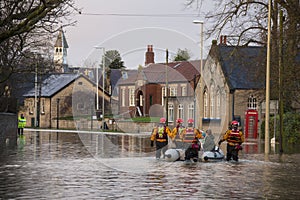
189	136
234	137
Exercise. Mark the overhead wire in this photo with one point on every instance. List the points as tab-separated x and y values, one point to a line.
138	15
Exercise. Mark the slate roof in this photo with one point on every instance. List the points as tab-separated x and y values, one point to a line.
243	67
53	84
21	83
182	71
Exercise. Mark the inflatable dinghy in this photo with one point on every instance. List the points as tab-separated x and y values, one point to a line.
216	154
172	155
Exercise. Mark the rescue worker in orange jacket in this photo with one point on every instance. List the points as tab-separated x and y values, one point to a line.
160	135
192	151
234	138
190	134
178	133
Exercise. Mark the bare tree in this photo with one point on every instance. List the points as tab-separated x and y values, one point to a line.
26	27
245	22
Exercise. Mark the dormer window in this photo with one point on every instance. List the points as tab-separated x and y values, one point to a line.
124	75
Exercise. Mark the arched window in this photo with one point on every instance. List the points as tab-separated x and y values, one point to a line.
212	102
205	102
218	108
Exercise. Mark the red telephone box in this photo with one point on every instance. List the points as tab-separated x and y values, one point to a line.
251	121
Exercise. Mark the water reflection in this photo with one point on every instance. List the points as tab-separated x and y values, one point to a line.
50	165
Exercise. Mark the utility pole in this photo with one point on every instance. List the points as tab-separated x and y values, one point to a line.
57	113
103	88
35	95
281	68
267	113
167	88
195	99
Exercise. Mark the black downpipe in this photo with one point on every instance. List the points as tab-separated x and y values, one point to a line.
232	106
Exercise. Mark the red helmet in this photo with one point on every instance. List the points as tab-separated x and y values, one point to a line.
162	120
234	123
179	120
190	121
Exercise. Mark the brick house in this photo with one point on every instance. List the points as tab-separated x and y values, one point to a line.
143	92
62	95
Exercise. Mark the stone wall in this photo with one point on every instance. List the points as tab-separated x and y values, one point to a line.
8	131
124	126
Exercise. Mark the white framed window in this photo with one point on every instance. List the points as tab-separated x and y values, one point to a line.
173	91
183	91
141	100
191	111
205	102
171	113
131	96
252	102
180	111
122	97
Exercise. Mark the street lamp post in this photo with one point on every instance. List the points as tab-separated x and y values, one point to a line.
167	88
103	84
200	77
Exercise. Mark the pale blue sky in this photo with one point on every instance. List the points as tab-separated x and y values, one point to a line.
130	35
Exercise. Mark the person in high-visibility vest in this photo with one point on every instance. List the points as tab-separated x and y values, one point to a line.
21	124
160	135
178	133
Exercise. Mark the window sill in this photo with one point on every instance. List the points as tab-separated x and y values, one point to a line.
208	120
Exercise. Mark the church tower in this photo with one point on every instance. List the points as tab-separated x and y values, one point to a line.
60	53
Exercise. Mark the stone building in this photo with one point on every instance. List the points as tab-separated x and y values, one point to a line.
62	96
232	81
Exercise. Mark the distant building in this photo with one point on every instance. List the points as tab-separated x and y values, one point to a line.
62	95
60	53
143	92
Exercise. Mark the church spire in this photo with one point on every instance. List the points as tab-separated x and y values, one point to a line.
60	52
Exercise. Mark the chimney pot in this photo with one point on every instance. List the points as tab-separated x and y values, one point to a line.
149	56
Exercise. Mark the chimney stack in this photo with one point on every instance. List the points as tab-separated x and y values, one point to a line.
149	57
223	39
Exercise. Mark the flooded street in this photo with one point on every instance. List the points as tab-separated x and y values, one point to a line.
65	165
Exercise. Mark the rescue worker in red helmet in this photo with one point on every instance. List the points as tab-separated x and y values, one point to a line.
234	138
192	151
177	133
160	135
191	133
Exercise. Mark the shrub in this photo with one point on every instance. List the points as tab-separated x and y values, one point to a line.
291	128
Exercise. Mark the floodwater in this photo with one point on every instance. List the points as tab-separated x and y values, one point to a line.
66	165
